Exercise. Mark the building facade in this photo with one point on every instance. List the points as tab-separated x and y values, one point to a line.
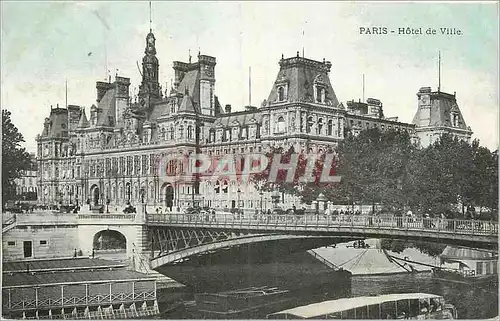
26	184
115	156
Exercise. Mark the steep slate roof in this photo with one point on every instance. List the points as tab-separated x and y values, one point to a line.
83	122
56	124
442	107
107	106
191	82
243	118
159	109
187	105
300	73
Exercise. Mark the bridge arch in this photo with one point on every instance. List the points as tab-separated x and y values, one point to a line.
222	242
109	240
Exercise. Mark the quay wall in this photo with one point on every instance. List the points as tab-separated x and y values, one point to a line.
41	235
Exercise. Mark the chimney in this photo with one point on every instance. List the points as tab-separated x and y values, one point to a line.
228	109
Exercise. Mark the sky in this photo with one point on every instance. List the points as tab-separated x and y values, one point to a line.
46	43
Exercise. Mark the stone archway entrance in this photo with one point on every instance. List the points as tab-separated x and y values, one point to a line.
167	195
94	192
110	244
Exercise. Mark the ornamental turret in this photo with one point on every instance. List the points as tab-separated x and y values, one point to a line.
150	87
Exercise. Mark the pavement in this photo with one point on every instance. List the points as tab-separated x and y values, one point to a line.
77	277
58	264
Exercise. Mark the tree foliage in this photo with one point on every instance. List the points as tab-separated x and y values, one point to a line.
452	172
386	167
15	158
372	166
305	167
398	246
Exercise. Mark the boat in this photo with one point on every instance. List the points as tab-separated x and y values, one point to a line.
388	306
465	265
242	303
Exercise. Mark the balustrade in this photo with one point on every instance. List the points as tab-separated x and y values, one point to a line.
114	298
130	217
311	221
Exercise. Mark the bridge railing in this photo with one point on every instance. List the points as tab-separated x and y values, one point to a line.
129	217
470	227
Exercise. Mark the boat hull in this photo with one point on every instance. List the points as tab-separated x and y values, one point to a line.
460	278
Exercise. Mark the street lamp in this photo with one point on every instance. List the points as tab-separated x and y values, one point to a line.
261	195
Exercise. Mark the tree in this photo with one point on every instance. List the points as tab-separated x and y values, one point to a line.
14	157
308	191
372	166
398	246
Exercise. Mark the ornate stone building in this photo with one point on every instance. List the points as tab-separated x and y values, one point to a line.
112	157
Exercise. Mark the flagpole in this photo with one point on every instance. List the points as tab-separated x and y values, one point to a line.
66	93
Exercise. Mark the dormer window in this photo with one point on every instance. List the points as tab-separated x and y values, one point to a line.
320	94
281	93
455	119
319	90
282	88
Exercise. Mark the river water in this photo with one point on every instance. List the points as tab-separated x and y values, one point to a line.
472	301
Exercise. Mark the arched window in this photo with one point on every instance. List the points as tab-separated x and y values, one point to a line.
128	191
330	128
281	93
162	135
190	132
225	187
309	124
212	135
181	132
319	130
281	126
217	187
171	132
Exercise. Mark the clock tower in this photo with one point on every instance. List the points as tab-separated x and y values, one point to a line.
149	88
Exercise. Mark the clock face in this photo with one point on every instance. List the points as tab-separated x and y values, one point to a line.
208	71
151	40
425	100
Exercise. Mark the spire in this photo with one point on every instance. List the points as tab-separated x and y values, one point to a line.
150	87
150	20
189	55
